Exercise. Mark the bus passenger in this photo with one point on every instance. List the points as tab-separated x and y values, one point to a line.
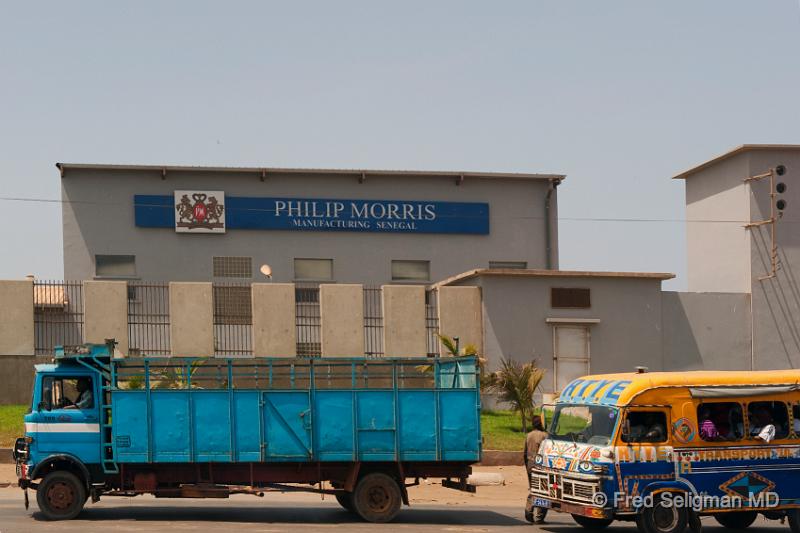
763	428
708	430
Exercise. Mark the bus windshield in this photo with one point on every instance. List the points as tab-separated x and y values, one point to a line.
593	424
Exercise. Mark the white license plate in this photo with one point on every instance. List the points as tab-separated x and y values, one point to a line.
539	502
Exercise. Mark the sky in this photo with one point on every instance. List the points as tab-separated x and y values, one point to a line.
618	95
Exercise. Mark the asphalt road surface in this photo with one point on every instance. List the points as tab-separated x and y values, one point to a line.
291	513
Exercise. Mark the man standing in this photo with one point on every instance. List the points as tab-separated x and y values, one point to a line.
532	442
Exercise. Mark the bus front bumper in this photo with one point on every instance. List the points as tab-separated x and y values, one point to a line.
566	507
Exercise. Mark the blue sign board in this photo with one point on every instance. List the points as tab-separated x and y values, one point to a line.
401	216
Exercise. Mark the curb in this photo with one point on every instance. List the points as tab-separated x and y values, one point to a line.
501	458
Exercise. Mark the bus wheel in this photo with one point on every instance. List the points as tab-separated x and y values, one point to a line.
61	495
663	517
377	498
595	524
736	519
794	519
345	499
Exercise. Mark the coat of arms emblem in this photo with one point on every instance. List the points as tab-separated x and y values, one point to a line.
200	211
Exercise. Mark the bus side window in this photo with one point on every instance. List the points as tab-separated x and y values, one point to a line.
762	414
720	421
646	426
796	420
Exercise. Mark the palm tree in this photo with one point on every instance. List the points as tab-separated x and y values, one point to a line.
515	383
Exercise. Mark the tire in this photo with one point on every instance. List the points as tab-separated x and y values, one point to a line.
61	495
377	498
794	520
529	516
736	519
595	524
663	518
345	499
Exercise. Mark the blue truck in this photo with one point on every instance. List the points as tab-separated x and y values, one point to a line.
359	429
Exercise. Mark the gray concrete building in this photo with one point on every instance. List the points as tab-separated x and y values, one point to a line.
163	223
743	236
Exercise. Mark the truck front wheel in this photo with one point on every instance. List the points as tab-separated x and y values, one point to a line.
377	498
61	495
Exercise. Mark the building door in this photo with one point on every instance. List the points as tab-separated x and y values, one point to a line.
570	353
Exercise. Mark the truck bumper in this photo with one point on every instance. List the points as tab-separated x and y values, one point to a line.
565	507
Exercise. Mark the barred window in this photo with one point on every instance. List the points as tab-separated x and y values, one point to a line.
570	298
233	267
232	305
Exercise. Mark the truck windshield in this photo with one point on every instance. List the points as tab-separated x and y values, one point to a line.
593	424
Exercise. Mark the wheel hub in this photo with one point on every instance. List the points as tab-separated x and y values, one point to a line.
60	496
378	498
665	518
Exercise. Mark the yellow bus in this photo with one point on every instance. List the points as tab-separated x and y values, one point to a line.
665	448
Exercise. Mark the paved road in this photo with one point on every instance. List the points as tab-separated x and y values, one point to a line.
283	512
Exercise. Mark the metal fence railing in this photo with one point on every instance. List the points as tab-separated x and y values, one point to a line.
373	321
307	320
432	322
233	319
57	315
148	319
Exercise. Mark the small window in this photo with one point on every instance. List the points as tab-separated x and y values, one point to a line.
722	421
508	264
570	298
762	414
67	393
411	270
646	426
115	266
313	269
233	267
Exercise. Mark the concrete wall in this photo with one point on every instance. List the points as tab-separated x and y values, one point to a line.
191	309
706	331
516	312
461	315
17	374
404	331
274	332
105	312
717	208
16	318
102	222
342	319
776	301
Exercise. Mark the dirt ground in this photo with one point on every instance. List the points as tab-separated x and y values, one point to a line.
512	493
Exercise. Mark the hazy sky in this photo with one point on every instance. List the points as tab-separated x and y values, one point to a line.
618	95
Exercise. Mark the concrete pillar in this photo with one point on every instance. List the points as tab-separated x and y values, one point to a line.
274	331
404	331
342	319
460	315
191	319
105	312
16	317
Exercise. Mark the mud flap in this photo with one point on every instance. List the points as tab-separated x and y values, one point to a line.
27	501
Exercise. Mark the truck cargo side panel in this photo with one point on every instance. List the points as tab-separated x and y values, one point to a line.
287	426
417	426
211	424
170	421
376	426
333	425
248	426
459	414
130	426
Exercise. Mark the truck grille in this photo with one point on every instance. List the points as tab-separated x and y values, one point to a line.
558	486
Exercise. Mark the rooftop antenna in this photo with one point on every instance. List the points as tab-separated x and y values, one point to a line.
780	205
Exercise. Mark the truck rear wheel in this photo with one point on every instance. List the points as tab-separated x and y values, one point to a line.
345	499
377	498
736	519
61	495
